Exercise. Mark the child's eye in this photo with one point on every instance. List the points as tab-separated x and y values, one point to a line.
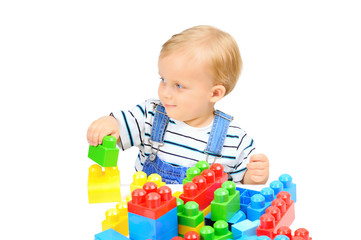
179	86
162	79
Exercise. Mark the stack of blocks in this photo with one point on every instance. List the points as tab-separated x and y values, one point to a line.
199	186
104	186
152	213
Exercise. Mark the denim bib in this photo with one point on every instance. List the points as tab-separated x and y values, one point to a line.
175	174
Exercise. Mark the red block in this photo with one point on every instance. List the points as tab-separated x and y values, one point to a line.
191	236
281	213
201	189
152	202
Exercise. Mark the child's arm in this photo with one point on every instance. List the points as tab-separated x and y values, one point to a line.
257	170
102	127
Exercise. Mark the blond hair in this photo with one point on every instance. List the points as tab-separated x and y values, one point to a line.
217	47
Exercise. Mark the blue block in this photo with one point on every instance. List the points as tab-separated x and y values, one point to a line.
165	227
238	217
281	237
245	197
110	234
257	207
288	186
277	186
245	228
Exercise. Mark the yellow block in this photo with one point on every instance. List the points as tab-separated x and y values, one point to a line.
103	186
140	178
176	194
206	210
117	219
184	229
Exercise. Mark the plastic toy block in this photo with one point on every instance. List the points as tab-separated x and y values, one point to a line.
165	227
191	235
140	178
156	178
259	203
176	194
110	234
103	186
105	154
286	231
288	186
208	219
277	186
245	228
218	231
280	213
263	238
226	202
152	202
189	214
238	217
302	232
201	189
191	173
202	165
188	236
245	197
117	219
182	229
218	169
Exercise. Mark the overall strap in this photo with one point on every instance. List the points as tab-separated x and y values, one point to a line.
160	124
218	134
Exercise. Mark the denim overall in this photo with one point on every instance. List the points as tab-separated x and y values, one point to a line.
175	174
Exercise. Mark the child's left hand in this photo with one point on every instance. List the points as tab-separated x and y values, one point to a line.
257	169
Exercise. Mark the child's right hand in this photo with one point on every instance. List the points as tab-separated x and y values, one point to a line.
102	127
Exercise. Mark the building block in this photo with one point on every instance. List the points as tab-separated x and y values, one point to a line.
176	194
245	228
238	217
110	234
182	229
259	203
280	213
245	197
189	214
202	187
140	178
191	173
103	186
165	227
117	219
207	210
152	202
226	202
219	231
105	154
277	186
188	236
300	234
288	186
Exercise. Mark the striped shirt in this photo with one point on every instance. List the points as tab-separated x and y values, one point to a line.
183	145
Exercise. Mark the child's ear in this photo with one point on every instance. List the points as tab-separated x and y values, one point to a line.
218	92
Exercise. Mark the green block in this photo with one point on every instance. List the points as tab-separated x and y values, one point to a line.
226	202
202	165
191	173
219	231
105	154
189	214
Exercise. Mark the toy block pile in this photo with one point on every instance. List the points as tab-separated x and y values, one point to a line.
209	208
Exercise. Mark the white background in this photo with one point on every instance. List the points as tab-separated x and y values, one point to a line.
65	63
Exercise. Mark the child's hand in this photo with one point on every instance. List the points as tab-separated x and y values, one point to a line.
257	170
102	127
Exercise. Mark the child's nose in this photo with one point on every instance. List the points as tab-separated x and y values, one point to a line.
168	92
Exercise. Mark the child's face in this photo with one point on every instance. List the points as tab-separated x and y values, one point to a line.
185	89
